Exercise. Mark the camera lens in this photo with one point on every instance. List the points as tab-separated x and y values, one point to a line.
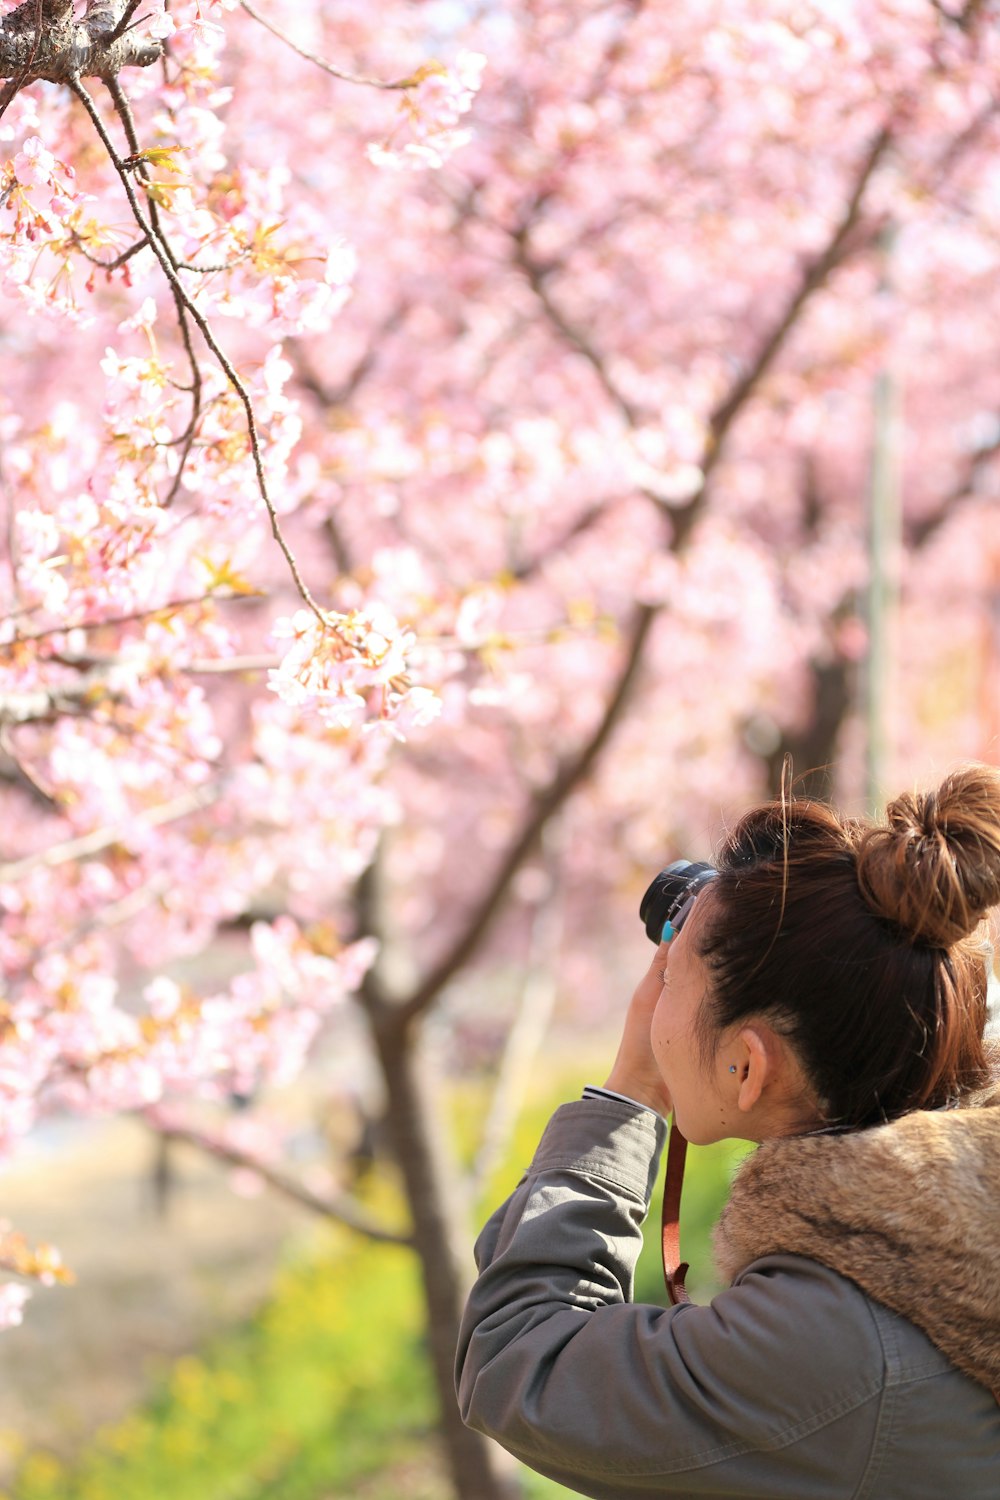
669	896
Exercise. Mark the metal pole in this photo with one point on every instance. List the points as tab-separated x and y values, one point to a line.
884	550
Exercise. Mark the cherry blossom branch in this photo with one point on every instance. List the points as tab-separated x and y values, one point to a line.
537	277
100	920
106	265
167	265
216	270
544	807
186	441
965	18
920	532
373	83
17	773
814	276
42	705
934	180
583	523
338	545
844	240
153	613
340	394
90	844
210	667
342	1210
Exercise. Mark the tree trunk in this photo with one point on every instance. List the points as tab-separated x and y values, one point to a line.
813	748
476	1466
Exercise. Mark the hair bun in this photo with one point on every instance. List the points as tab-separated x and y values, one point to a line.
935	870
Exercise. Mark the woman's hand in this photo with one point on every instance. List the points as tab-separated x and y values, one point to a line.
635	1072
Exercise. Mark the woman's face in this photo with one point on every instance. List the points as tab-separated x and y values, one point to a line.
703	1091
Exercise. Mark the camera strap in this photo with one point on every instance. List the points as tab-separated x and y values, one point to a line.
674	1269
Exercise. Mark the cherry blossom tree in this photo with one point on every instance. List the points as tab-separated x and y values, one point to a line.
433	454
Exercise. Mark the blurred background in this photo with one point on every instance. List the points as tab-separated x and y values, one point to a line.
663	419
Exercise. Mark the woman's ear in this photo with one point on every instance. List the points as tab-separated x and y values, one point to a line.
770	1084
758	1065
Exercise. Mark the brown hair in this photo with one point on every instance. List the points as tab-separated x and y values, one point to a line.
855	940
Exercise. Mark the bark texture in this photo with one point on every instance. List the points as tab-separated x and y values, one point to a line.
476	1466
44	39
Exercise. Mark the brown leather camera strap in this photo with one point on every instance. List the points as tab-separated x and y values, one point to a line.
674	1269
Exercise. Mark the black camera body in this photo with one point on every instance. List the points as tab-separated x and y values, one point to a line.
669	897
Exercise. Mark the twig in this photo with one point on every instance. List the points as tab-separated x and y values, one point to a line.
230	265
106	265
372	83
341	1210
186	441
139	614
167	265
126	16
208	666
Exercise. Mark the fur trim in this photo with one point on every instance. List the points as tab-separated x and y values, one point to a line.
910	1211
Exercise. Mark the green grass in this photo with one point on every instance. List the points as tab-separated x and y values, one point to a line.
328	1388
325	1382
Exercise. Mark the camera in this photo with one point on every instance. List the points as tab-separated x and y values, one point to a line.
670	895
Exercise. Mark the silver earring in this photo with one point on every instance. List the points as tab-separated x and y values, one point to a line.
732	1067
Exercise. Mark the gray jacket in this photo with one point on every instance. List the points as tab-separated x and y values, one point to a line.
792	1385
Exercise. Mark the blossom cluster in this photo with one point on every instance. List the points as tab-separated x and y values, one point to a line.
427	132
335	666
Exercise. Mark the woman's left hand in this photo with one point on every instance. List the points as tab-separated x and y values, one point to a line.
635	1073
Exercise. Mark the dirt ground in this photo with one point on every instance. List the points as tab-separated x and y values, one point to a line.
149	1286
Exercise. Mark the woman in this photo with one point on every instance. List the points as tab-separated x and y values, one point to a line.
825	997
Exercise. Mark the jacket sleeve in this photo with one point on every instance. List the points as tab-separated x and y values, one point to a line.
773	1386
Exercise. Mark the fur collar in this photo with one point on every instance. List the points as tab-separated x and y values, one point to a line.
910	1211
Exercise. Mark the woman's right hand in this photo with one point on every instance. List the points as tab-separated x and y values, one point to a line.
635	1073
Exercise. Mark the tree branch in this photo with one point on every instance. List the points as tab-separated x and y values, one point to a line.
918	533
339	395
584	522
124	111
126	17
373	83
545	806
153	613
42	705
342	1210
13	771
90	844
45	41
813	278
537	277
